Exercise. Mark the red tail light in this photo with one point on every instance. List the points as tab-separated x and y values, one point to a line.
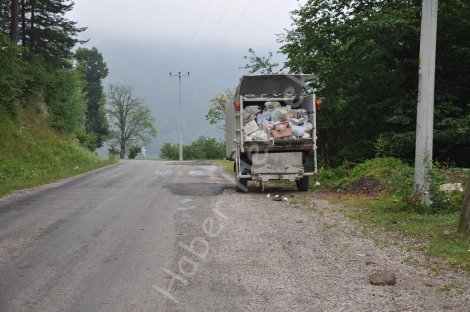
317	104
237	105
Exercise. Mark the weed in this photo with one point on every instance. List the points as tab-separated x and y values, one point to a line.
227	165
32	154
410	260
448	287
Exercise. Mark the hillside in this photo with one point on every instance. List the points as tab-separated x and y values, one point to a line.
31	153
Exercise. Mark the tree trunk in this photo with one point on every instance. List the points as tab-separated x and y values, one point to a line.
32	35
15	10
123	151
464	223
23	23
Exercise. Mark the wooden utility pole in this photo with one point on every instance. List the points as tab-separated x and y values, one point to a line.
425	114
464	223
14	20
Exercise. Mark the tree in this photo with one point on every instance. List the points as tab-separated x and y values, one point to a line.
259	64
216	111
134	150
170	151
12	79
46	32
464	223
131	121
63	93
93	68
364	58
15	10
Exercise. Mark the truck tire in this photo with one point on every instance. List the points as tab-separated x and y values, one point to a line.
302	184
242	185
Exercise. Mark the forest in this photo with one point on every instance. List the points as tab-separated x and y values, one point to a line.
364	56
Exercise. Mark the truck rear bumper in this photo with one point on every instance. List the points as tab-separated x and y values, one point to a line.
276	166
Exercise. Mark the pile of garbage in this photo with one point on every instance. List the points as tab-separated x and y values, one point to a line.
275	122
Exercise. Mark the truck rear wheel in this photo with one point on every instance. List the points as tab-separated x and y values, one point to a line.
302	184
242	185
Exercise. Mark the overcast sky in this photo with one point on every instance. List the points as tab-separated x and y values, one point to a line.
251	23
143	40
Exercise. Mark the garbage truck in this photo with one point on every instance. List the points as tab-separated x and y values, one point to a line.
270	130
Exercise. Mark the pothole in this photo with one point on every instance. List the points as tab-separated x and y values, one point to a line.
196	189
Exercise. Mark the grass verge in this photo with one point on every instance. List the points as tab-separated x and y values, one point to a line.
387	204
31	154
227	165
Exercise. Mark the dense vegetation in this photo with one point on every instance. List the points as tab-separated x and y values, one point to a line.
51	99
202	148
364	55
39	69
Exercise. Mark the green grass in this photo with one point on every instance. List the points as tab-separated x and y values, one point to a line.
433	234
227	165
32	154
432	231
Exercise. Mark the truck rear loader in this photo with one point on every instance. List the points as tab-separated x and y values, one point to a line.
270	130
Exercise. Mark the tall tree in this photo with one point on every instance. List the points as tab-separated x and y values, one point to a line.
45	31
131	121
94	69
5	16
15	10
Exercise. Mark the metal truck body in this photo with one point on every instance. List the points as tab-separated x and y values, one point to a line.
274	158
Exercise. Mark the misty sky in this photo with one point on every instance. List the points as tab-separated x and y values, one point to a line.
143	40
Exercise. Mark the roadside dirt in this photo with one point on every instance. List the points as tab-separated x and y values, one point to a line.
302	255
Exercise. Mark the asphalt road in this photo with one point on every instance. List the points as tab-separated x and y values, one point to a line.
102	242
158	236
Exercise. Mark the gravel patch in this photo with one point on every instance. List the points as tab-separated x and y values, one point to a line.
276	256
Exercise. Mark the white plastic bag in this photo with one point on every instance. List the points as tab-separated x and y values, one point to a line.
308	127
253	109
260	135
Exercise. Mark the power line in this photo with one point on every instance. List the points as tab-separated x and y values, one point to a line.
212	30
233	25
194	35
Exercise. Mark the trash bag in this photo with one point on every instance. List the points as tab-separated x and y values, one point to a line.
253	109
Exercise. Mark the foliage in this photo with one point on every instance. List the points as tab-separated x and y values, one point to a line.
433	234
113	151
170	151
441	201
393	174
31	153
45	31
131	121
66	101
36	71
134	150
12	79
259	64
93	68
216	111
396	178
364	57
202	148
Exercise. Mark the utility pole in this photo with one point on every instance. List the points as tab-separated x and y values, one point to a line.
179	75
425	112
